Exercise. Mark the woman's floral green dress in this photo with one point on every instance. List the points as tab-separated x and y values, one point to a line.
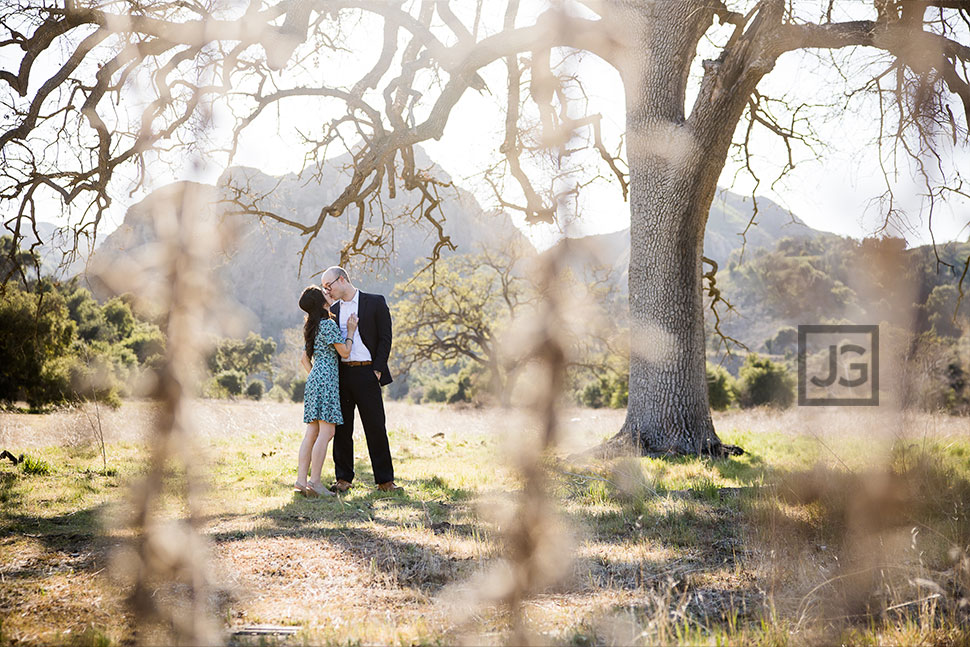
321	397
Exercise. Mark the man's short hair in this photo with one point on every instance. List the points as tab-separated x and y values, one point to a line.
339	271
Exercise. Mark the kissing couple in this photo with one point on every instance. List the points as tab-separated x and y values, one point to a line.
347	341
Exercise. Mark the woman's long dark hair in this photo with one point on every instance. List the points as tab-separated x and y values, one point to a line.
314	305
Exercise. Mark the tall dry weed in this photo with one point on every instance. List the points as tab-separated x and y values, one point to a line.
166	568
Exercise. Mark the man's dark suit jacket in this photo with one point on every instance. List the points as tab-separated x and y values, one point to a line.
374	326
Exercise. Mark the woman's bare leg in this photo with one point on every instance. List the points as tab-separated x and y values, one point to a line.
320	452
306	451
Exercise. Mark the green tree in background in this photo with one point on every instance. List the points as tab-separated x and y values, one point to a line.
765	382
248	356
254	390
36	339
784	341
59	344
948	315
19	265
88	315
721	387
117	313
235	362
455	316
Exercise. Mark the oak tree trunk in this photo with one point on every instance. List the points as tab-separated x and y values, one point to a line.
674	167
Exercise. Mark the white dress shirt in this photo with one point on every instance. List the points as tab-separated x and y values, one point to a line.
358	352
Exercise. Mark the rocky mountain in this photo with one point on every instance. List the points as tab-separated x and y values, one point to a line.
729	216
263	272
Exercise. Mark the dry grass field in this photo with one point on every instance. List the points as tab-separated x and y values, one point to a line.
836	526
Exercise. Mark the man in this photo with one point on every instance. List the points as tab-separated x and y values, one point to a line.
361	377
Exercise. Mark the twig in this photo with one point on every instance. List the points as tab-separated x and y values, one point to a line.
906	604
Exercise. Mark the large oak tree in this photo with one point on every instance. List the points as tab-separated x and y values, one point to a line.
70	125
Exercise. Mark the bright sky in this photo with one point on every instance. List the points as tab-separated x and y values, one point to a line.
834	193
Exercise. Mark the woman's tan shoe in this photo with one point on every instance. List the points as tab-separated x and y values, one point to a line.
317	492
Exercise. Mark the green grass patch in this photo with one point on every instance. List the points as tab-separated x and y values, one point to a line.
33	466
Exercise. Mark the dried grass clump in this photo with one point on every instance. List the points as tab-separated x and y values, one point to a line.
881	552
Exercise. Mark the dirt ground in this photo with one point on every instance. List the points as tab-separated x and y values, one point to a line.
653	563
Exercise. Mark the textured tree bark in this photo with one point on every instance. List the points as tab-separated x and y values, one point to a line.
674	167
668	409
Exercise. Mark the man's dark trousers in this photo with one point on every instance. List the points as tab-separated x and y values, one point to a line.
360	388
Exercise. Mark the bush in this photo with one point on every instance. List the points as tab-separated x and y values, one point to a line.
938	378
249	356
765	382
297	389
721	387
278	393
118	314
254	390
605	391
231	381
435	393
621	393
451	388
957	393
462	391
592	395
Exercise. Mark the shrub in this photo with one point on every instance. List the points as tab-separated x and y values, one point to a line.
231	381
957	394
147	343
592	395
452	388
621	393
278	393
765	382
612	391
462	391
721	387
297	389
249	356
254	390
435	393
118	314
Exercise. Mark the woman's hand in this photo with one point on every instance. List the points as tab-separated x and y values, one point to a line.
343	348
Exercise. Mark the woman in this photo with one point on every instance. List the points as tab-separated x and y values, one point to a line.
321	397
